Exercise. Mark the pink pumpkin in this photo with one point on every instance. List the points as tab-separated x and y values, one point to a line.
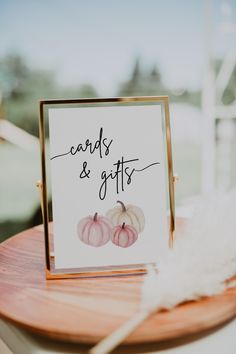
94	230
124	236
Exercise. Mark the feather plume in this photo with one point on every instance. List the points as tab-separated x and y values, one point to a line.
203	258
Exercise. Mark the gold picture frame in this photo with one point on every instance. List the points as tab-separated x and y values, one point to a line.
51	272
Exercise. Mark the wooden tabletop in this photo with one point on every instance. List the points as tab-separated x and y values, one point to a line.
86	310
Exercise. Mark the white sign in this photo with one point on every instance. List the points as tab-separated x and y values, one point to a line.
108	185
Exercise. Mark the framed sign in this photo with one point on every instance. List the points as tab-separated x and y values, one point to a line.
108	166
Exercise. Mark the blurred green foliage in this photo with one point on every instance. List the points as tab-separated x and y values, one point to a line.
143	82
22	87
229	94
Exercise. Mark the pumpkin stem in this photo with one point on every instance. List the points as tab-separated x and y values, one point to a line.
122	205
123	225
95	217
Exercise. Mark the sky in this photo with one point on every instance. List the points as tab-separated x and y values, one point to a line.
97	41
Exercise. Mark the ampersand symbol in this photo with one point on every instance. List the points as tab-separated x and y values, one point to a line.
84	173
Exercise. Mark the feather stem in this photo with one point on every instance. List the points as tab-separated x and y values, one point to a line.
109	343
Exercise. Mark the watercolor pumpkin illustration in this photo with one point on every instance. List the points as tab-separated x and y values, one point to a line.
94	230
128	214
124	236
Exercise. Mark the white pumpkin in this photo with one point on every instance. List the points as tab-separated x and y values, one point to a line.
128	214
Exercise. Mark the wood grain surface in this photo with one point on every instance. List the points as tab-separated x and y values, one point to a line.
87	310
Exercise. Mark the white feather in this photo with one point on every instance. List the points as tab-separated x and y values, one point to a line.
203	258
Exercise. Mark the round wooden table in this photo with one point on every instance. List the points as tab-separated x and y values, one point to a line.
87	310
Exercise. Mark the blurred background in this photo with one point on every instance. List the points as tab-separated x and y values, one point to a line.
74	49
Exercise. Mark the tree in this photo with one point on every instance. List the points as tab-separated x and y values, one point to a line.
23	86
142	83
